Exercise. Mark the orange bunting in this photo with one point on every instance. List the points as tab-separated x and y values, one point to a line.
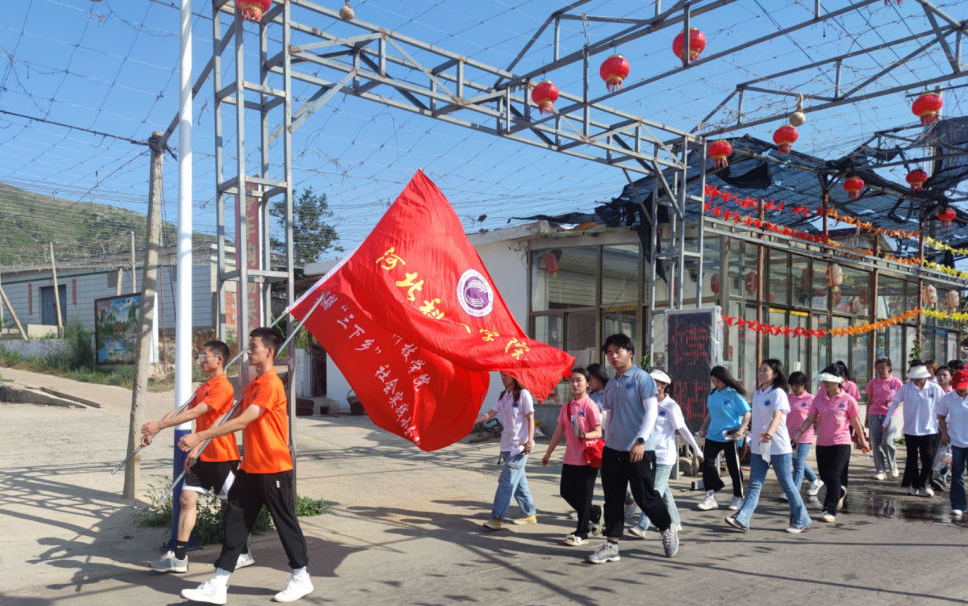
799	331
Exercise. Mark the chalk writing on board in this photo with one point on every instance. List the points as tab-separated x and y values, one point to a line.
689	355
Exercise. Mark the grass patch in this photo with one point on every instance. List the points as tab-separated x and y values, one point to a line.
208	524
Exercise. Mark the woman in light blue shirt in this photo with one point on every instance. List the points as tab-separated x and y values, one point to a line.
724	426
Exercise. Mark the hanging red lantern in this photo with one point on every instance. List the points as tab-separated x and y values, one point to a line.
719	151
784	137
751	281
927	107
613	71
545	95
714	283
853	186
916	179
697	42
551	263
947	216
252	10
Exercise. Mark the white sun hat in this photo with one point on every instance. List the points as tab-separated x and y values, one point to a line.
659	375
826	377
919	371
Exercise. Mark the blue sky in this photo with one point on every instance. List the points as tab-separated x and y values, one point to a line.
111	67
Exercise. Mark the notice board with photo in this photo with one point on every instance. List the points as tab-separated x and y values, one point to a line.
694	344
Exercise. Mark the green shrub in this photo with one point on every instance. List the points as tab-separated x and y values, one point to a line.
306	507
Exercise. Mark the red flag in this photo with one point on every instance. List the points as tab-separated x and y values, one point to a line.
416	290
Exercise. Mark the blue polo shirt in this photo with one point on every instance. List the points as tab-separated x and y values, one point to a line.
623	402
726	409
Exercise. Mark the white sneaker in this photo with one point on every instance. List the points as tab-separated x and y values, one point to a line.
880	475
298	587
815	487
912	490
894	472
637	531
928	491
956	512
573	539
828	517
208	592
169	563
735	503
244	560
595	529
606	552
709	502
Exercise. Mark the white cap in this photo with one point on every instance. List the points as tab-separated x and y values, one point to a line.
659	375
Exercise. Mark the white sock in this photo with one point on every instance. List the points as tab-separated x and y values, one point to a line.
710	493
221	577
299	572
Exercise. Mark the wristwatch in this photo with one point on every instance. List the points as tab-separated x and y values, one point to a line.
640	440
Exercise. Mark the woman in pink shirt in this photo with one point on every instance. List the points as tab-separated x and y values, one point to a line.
580	421
835	411
880	391
800	399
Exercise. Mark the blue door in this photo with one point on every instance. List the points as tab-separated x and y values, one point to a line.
48	309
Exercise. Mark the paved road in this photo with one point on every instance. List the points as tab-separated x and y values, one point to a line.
404	528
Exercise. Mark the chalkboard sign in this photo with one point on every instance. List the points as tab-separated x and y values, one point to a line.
693	346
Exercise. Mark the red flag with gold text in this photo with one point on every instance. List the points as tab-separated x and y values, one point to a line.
414	322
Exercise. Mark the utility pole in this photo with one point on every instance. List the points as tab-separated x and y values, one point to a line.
134	281
149	282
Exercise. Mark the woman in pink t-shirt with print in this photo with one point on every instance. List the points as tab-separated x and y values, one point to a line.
835	411
800	399
580	421
880	391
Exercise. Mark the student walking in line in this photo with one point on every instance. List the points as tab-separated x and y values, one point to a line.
835	412
516	407
849	387
770	446
668	422
942	377
800	399
211	470
628	459
265	476
880	392
952	411
597	378
580	422
724	427
920	425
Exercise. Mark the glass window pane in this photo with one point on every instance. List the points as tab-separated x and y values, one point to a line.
548	330
818	297
712	245
623	321
747	370
779	282
890	297
839	346
620	274
563	277
859	353
776	344
819	354
580	338
854	293
801	279
798	346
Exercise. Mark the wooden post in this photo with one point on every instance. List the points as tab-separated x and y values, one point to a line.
117	288
134	281
146	317
53	272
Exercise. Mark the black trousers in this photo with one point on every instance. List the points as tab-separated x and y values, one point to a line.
246	497
576	487
710	470
619	474
924	447
832	466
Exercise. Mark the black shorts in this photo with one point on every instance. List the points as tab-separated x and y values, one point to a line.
217	477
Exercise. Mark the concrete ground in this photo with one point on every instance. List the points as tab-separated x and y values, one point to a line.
404	527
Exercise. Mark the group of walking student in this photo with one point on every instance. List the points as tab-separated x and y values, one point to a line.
629	432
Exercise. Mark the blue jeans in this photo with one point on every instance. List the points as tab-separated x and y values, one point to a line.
662	473
512	482
800	467
958	457
781	467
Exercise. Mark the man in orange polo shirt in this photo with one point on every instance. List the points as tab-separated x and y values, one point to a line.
213	470
265	477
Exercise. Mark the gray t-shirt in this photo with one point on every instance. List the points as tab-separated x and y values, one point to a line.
623	402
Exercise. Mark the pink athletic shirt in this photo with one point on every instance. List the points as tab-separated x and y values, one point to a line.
588	416
881	392
799	409
834	415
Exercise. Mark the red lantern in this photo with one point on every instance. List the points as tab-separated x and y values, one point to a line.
751	281
853	186
927	107
613	71
947	216
544	95
551	263
784	137
697	42
252	9
916	179
714	283
719	151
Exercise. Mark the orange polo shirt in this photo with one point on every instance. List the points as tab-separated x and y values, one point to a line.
266	438
218	395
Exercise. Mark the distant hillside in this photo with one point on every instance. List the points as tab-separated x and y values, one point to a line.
79	230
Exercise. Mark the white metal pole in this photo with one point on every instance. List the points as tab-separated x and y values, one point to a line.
183	284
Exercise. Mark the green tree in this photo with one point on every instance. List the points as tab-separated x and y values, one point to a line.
312	235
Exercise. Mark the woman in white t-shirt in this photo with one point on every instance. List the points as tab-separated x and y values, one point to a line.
516	407
669	421
580	422
770	445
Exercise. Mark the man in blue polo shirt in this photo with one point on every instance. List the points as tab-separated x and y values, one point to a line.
628	460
